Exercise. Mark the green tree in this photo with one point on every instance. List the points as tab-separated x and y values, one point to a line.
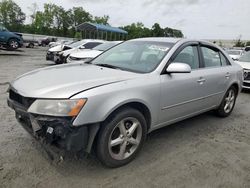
11	15
102	20
79	16
247	43
157	31
239	43
137	30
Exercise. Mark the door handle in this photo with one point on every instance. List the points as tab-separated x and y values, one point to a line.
227	75
201	80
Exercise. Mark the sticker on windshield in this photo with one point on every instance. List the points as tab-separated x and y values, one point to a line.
159	48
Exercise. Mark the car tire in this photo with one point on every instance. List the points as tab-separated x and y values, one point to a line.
13	44
31	45
121	137
227	105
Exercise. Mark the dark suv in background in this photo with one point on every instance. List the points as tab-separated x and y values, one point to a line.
9	39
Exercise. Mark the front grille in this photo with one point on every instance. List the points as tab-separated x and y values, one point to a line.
24	101
246	74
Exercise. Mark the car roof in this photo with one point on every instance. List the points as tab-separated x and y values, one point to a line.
159	39
92	40
173	40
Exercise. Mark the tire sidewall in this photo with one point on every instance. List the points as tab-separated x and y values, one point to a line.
106	130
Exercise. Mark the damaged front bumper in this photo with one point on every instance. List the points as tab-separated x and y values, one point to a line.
56	131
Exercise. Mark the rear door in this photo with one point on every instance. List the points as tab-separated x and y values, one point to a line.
217	74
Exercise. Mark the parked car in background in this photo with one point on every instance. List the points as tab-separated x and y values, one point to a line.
56	49
60	42
235	54
87	55
247	48
112	103
45	41
85	44
244	61
30	43
9	39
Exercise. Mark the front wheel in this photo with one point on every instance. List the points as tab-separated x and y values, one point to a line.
13	44
121	137
228	102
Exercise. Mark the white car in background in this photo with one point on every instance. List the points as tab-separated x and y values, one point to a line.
60	42
235	54
244	62
58	48
86	55
61	57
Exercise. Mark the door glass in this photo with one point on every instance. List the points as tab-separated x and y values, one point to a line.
211	57
224	61
188	55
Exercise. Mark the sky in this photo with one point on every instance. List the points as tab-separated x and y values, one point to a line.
198	19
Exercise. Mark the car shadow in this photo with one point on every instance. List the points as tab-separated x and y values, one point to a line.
245	90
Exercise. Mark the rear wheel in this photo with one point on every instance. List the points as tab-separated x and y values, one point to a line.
121	137
228	102
13	44
31	45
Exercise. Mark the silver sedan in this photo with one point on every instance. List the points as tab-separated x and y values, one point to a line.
115	100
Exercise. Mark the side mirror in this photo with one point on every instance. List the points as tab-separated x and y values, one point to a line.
178	68
82	47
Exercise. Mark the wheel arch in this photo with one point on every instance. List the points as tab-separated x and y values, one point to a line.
94	130
141	107
236	86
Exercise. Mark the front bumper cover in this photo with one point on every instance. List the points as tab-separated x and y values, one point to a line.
50	56
56	131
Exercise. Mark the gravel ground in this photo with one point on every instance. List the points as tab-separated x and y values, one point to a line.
205	151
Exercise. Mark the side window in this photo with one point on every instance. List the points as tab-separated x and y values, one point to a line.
91	45
224	61
211	57
188	55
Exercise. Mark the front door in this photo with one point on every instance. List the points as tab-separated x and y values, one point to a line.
181	93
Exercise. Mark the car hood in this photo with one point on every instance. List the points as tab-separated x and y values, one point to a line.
70	51
65	81
57	48
244	65
86	54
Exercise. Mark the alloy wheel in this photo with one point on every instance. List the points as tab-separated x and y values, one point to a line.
229	101
14	44
125	138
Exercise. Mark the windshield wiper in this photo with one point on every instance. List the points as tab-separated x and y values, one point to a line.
107	65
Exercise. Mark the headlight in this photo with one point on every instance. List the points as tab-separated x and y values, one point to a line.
57	107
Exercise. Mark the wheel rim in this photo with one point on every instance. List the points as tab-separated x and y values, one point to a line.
125	138
14	44
229	101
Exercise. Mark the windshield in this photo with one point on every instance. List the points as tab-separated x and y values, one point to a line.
2	28
105	46
234	52
135	56
76	44
245	57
